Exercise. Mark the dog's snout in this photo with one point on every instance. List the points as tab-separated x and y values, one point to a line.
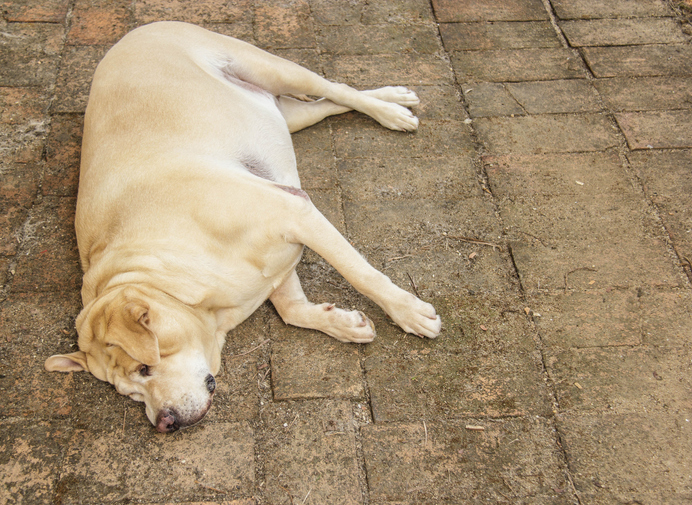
210	382
166	421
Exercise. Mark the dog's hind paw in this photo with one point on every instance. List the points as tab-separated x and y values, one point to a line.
396	117
395	94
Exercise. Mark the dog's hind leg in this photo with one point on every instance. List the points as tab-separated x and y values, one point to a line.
300	114
236	59
295	309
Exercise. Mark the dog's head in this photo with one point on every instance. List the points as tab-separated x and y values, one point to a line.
152	348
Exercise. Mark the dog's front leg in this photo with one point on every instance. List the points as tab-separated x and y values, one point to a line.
310	227
295	309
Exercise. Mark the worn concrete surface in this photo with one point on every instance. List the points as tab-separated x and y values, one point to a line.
544	207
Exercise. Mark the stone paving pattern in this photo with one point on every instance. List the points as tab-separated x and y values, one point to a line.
544	207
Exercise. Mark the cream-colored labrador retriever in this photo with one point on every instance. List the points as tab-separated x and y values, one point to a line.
190	213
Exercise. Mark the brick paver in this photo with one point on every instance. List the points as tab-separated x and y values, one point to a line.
544	207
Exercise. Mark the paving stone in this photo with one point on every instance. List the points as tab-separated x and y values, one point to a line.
477	323
316	162
360	137
517	65
629	458
435	462
99	22
590	9
474	384
22	143
30	456
374	71
206	461
403	178
378	39
45	11
74	80
248	501
48	259
439	102
30	54
201	11
18	190
4	272
313	453
622	32
667	179
402	12
666	318
487	10
589	319
487	99
621	379
657	129
354	12
309	364
63	150
581	265
645	93
489	36
22	105
454	269
574	222
327	12
96	405
280	23
410	226
520	178
650	60
546	134
556	97
33	327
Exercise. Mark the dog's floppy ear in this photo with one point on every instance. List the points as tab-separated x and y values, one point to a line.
74	362
129	328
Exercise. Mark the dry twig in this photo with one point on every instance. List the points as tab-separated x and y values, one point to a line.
251	350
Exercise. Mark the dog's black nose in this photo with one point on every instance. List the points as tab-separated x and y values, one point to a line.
211	383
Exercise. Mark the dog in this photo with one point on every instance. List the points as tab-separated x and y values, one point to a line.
190	213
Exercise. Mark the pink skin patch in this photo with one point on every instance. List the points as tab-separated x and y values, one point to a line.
294	191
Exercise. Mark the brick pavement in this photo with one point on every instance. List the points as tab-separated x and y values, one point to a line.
555	134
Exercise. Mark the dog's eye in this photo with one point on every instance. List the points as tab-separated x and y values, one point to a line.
144	370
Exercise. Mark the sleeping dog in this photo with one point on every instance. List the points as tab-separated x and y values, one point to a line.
190	213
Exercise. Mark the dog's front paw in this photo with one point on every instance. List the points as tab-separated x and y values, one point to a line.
345	326
414	315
